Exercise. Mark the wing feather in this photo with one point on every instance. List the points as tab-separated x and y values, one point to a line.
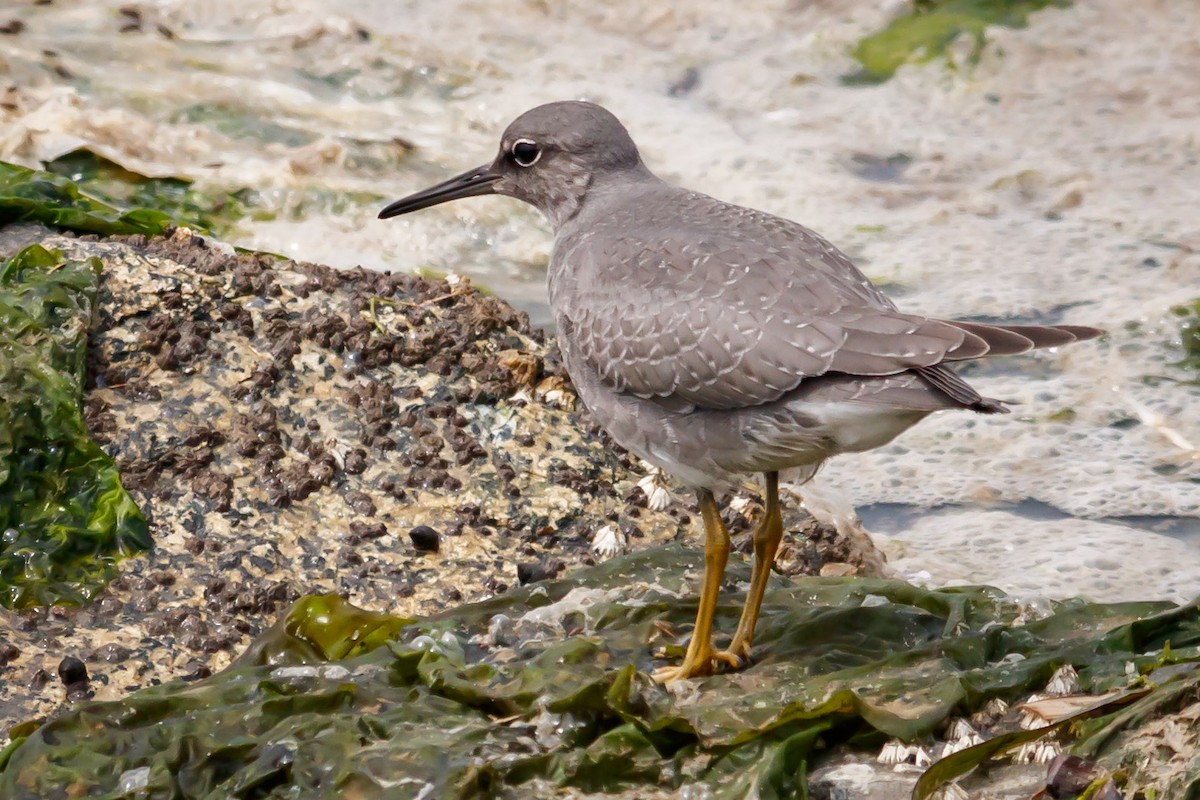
704	304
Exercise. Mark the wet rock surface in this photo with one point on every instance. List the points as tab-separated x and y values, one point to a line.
291	429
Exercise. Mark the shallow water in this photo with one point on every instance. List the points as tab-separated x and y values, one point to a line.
1057	179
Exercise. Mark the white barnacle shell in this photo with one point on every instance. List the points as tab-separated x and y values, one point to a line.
608	541
654	484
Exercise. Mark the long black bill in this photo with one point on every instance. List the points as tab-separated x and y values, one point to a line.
471	183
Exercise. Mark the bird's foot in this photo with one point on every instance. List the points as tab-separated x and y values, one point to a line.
735	658
668	675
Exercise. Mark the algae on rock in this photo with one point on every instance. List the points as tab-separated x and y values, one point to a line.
1189	338
64	514
933	25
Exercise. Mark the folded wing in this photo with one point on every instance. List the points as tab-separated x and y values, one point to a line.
720	319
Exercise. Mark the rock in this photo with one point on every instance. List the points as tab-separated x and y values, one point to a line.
534	571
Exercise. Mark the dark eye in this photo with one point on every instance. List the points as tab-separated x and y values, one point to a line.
525	152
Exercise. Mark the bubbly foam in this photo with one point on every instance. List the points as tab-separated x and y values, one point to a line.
1104	562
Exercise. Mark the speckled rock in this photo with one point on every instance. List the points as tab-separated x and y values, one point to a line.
284	426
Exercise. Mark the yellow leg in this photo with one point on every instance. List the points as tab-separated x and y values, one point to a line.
699	657
766	542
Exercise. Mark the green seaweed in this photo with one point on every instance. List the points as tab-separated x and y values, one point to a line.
1189	338
64	517
544	690
928	31
174	197
28	195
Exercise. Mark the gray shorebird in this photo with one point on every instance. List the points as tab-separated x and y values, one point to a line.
713	340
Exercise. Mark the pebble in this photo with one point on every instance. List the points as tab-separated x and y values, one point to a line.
534	571
425	539
38	679
71	671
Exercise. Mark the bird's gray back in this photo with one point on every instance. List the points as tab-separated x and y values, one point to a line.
675	295
661	237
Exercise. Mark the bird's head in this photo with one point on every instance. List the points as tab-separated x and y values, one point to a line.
550	157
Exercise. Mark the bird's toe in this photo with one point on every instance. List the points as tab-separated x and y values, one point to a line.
735	659
699	668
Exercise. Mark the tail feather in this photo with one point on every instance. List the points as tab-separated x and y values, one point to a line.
949	383
1000	340
1007	340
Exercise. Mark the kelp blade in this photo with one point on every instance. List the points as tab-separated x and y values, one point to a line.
34	196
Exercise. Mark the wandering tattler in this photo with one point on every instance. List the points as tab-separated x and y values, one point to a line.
713	340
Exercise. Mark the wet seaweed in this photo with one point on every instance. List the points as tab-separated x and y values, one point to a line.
545	689
35	196
1189	339
64	514
177	198
933	25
